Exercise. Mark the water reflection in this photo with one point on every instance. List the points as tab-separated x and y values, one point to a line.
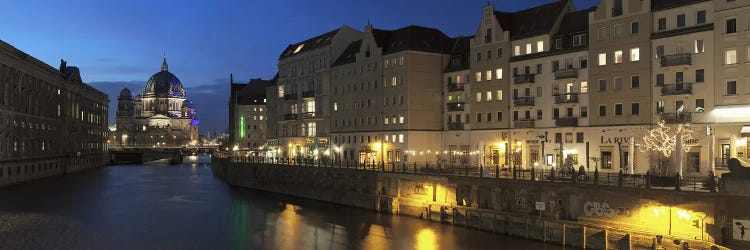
186	207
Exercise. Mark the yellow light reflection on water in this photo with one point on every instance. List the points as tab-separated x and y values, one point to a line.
426	240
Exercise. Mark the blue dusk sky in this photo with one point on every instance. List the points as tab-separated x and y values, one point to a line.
122	42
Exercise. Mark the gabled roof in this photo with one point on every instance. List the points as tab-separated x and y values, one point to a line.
657	5
531	22
349	55
575	22
309	44
459	54
416	38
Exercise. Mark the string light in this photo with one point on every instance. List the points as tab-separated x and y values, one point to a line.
662	140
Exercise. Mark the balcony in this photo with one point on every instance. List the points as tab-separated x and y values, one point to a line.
523	101
308	94
566	73
677	59
455	126
455	87
290	97
525	78
455	106
677	118
308	115
523	124
566	122
288	117
566	98
683	88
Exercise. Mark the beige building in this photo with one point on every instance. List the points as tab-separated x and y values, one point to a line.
387	98
248	114
51	123
303	101
731	114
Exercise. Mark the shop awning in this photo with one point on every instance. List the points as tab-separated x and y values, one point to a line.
745	132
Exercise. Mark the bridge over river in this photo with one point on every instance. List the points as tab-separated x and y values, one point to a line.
174	155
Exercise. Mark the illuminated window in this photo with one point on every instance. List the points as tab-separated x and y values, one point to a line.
401	119
602	59
528	48
488	75
489	96
281	91
478	76
311	129
730	56
310	106
584	87
335	106
499	73
699	48
499	95
635	54
479	96
516	50
539	46
385	120
618	56
299	47
393	81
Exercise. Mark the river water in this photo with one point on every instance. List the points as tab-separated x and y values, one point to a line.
184	206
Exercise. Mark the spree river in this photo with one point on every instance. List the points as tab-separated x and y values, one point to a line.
185	207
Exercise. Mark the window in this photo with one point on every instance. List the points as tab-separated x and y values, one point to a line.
499	73
479	117
401	119
618	56
680	20
499	95
602	110
528	48
700	17
556	113
617	9
602	59
516	50
618	83
602	33
539	114
659	79
479	96
699	46
635	108
394	81
730	56
489	96
479	56
602	85
478	76
584	87
489	117
618	109
539	68
635	54
699	75
659	51
662	24
731	87
488	36
619	30
635	28
584	111
311	129
489	54
635	82
700	105
606	160
385	120
515	115
731	26
579	39
499	116
579	137
488	75
584	63
499	52
400	138
539	46
558	43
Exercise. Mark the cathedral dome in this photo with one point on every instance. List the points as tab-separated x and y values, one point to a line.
125	92
164	84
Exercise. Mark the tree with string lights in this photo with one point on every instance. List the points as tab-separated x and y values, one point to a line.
667	140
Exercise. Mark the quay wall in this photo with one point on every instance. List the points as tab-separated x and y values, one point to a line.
20	171
576	215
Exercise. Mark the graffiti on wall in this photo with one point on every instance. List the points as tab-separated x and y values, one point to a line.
741	230
603	209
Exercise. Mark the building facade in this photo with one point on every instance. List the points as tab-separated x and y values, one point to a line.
546	87
51	123
248	114
161	115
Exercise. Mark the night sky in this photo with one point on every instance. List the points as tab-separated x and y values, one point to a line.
122	42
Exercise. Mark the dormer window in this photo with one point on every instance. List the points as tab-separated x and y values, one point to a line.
299	47
558	43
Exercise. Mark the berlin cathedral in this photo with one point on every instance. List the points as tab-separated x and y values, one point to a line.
160	116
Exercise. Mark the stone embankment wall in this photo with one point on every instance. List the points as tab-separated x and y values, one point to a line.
576	215
15	172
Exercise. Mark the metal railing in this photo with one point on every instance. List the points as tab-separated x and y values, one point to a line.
682	88
676	59
455	106
291	117
579	177
675	118
566	122
566	73
566	98
524	123
308	115
524	101
525	78
455	126
455	87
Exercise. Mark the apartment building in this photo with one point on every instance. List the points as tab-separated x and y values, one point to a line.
248	113
386	95
682	73
729	118
303	101
457	138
